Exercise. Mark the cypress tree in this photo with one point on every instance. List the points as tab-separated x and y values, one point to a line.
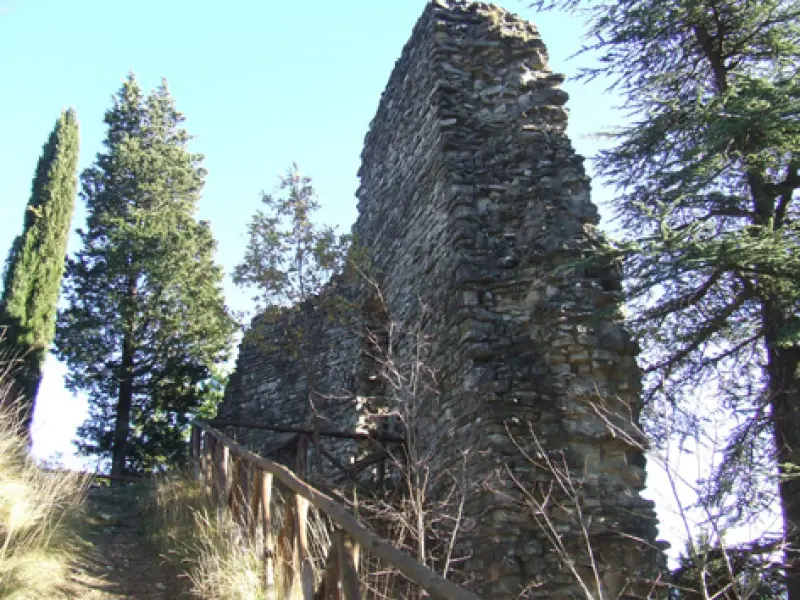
146	321
35	263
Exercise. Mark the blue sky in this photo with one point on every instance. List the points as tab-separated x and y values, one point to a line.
262	84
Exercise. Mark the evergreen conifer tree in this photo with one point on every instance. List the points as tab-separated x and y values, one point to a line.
726	573
288	261
35	263
146	321
289	258
709	178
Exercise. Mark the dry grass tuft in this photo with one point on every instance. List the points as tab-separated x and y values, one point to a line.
220	561
36	511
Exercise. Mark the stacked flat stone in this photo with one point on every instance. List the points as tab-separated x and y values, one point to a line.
475	211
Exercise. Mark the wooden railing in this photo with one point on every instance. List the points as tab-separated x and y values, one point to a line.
242	483
382	443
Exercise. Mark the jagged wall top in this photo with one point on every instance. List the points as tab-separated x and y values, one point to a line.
472	79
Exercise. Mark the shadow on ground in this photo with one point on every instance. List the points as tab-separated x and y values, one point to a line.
115	561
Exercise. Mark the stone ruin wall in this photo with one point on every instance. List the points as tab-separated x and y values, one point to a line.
474	205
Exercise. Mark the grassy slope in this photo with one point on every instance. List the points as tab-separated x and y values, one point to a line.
38	511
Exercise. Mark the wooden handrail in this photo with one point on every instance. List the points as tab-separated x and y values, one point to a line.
436	585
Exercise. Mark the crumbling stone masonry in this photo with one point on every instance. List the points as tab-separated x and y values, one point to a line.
475	212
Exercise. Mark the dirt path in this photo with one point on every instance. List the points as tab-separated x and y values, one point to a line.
116	562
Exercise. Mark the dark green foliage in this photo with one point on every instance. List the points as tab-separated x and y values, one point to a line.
727	573
35	263
708	174
288	261
146	323
289	258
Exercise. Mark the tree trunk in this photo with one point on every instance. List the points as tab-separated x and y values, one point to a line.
784	388
124	403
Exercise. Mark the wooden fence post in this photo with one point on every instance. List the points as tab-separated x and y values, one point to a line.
209	443
240	496
340	580
222	454
268	540
232	500
347	553
304	569
254	502
194	451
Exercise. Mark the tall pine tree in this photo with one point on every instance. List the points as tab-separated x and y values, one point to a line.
35	263
709	178
146	321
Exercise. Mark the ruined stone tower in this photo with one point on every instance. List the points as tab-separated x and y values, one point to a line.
475	219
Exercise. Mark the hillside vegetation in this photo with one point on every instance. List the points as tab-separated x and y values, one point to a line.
37	514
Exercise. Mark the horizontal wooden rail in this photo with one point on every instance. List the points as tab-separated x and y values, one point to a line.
380	436
430	581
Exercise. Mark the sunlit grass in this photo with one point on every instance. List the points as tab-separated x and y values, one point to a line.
36	512
219	560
